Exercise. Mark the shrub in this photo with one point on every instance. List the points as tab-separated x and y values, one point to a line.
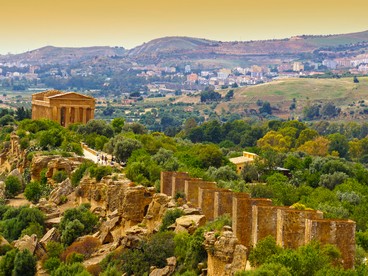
33	191
59	176
170	217
51	264
264	250
54	249
79	173
74	258
13	186
24	264
76	269
76	222
100	171
84	248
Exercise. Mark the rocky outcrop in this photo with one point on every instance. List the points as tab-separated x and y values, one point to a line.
53	163
225	254
59	194
167	270
27	242
189	223
156	211
117	194
109	231
52	235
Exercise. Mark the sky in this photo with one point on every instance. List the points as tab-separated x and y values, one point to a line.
29	24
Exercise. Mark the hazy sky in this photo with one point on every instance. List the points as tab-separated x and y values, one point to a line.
30	24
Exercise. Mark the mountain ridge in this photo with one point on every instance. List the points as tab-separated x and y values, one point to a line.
173	48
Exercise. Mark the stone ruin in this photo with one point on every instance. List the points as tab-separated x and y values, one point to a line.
256	218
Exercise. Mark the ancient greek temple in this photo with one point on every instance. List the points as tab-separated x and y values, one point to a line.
63	107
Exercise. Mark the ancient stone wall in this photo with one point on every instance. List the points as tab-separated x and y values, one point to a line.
243	216
223	203
254	219
167	181
192	187
178	183
291	226
206	201
264	222
340	233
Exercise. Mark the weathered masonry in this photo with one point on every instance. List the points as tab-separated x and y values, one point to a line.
256	218
63	107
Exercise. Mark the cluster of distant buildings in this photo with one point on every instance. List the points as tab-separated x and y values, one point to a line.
172	78
356	65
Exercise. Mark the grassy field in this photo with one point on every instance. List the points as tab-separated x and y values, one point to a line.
307	89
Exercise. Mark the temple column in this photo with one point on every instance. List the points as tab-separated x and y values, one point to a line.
67	116
92	114
84	115
76	115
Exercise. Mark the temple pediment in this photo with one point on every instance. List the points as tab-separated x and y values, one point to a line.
71	95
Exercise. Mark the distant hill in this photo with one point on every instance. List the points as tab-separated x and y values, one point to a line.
62	55
351	97
208	53
192	48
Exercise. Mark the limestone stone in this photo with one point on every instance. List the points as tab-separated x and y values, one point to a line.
190	223
225	254
38	164
106	235
48	207
3	241
63	189
52	235
27	242
156	211
167	270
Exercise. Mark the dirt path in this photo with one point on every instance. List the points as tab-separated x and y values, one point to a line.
18	201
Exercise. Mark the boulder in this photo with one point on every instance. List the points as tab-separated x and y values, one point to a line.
106	235
47	207
52	235
167	270
190	223
156	211
27	242
59	194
